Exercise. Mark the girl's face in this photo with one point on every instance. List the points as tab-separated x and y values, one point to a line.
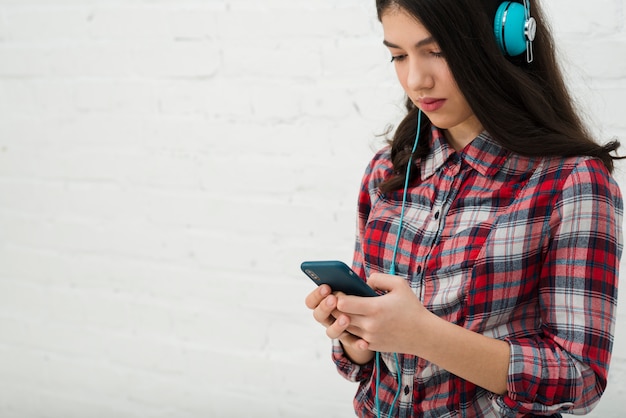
425	77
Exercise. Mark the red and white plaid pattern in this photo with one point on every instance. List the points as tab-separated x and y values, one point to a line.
520	249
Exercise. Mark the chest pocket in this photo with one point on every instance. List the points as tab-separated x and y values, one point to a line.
468	224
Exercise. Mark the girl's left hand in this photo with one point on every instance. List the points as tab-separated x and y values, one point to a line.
393	322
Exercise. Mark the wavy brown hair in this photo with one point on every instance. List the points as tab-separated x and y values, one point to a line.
525	107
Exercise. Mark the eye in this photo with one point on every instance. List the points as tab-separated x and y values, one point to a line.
437	54
398	58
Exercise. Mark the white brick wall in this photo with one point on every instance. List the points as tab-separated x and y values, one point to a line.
165	165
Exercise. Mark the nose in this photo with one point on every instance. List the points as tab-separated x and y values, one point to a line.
419	77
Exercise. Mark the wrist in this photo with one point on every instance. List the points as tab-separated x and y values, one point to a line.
350	345
427	338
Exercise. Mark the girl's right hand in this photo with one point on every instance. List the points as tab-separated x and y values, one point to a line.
324	306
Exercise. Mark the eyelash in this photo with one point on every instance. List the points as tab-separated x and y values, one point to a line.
402	57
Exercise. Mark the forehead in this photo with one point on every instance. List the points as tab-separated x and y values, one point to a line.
399	27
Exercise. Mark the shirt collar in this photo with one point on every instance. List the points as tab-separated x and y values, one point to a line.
483	154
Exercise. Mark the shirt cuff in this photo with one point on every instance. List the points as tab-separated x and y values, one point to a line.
545	380
348	369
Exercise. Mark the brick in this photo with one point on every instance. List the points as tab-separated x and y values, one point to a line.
182	59
270	59
193	23
19	62
584	18
599	58
128	23
47	25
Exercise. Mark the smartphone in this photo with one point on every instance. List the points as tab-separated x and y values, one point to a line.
338	276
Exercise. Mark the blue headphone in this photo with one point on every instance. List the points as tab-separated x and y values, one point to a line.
515	29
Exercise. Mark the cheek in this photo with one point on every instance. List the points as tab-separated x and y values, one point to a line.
402	75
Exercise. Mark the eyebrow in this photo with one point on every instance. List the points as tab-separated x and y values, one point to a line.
425	41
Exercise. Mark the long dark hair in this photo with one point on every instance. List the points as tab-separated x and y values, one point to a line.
525	107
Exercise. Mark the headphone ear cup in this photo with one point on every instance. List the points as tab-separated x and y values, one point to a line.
509	28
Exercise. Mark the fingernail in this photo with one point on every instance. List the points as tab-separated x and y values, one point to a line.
329	302
343	321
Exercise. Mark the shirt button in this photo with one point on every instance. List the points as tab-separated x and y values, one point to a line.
407	389
437	215
419	269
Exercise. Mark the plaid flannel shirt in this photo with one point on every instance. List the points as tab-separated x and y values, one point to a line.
521	249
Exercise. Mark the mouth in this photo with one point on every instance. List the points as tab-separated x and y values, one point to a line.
429	104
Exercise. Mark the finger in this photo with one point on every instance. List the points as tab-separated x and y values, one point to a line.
349	339
323	312
339	327
361	344
314	298
356	305
343	330
384	282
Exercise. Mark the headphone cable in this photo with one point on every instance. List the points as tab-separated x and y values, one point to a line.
392	271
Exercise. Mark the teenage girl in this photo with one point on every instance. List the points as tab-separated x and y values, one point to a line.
490	225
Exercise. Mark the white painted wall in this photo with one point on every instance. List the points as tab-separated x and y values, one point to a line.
165	166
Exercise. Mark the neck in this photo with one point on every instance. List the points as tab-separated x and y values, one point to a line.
461	135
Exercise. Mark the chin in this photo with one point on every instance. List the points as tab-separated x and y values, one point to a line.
440	123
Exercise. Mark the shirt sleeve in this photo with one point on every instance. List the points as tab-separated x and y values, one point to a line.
564	369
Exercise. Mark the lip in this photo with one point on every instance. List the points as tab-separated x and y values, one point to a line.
429	104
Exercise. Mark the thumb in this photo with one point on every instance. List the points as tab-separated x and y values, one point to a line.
384	282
